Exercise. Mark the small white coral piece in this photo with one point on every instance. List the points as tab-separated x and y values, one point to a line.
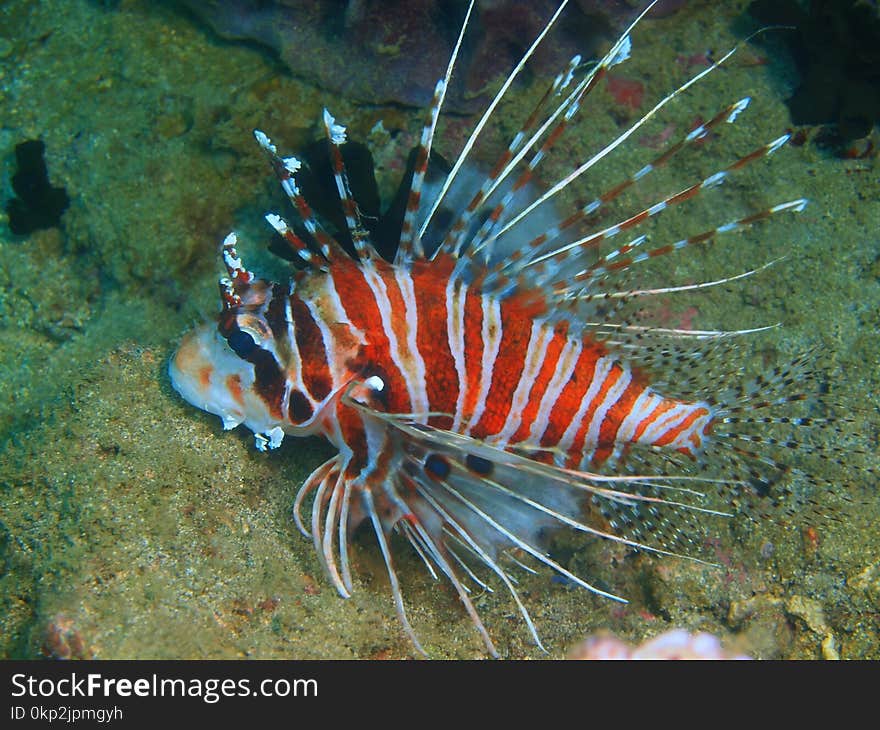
674	644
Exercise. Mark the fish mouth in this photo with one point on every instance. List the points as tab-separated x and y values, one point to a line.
197	372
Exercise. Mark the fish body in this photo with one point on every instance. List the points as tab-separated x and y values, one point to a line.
486	384
493	369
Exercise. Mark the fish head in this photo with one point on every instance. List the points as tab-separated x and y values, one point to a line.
232	367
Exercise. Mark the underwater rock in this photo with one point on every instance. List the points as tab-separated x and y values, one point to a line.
836	47
379	51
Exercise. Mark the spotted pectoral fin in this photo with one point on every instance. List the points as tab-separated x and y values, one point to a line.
490	502
475	513
507	500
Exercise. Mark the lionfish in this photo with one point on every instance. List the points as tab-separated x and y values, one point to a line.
482	380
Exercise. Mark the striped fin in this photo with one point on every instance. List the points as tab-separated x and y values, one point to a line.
335	138
464	504
614	144
232	286
584	279
454	239
525	176
462	157
410	243
618	53
562	255
549	495
539	244
285	170
297	245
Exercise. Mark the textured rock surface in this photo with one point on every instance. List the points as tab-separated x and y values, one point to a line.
379	51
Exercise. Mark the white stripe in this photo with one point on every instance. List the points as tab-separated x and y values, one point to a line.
332	311
713	180
264	141
419	386
684	438
643	407
603	367
536	353
610	232
294	367
737	108
698	132
592	207
697	427
399	356
777	143
567	360
376	435
668	420
591	442
456	295
641	173
491	334
796	205
336	132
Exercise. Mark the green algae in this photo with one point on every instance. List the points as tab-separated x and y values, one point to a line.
134	527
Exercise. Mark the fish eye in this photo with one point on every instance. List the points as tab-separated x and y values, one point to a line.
242	343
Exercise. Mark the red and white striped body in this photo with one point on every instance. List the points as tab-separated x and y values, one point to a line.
500	369
478	387
503	372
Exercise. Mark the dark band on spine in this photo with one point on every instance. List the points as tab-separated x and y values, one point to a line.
300	410
312	354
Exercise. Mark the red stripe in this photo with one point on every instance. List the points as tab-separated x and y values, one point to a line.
573	393
312	354
512	351
673	433
664	406
615	417
473	348
577	445
363	312
517	315
548	368
432	338
352	430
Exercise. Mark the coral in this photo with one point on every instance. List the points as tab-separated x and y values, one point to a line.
673	644
63	640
